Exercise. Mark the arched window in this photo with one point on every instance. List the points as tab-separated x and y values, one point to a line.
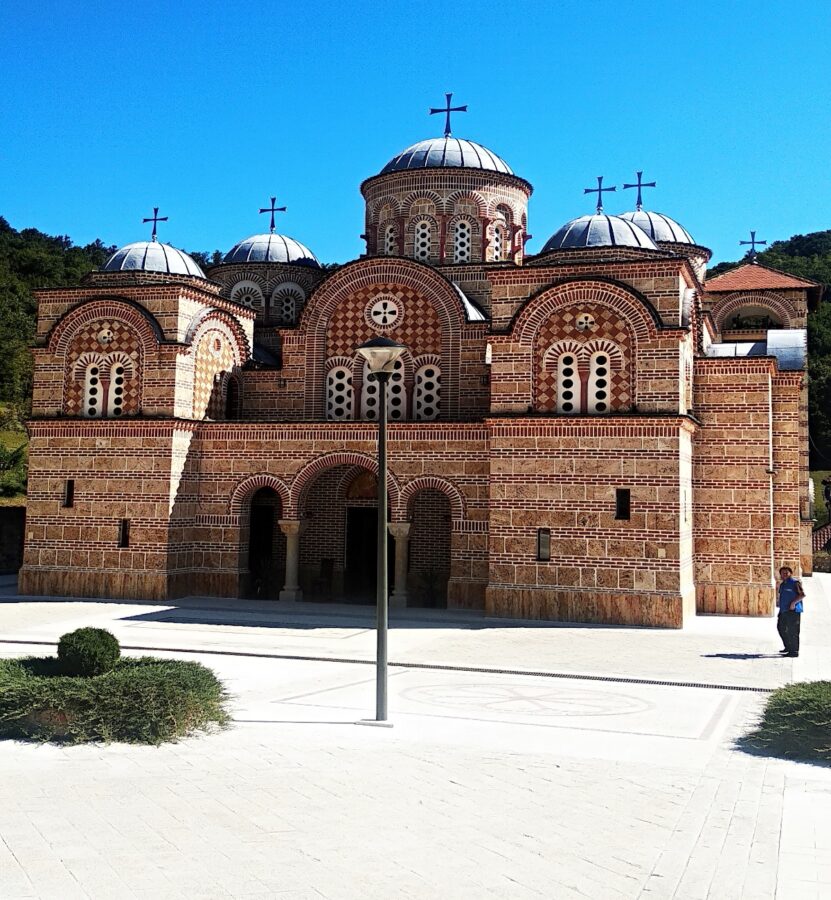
599	387
427	396
339	395
461	242
389	243
248	293
286	301
568	384
93	407
498	243
396	395
232	399
422	240
115	394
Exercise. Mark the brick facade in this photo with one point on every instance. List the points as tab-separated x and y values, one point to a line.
676	480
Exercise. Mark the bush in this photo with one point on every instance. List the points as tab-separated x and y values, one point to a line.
140	701
796	722
88	651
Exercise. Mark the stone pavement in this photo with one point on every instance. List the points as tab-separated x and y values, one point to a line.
491	784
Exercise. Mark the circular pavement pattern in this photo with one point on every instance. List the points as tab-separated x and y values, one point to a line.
526	699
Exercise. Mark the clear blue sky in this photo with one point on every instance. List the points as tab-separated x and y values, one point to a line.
206	109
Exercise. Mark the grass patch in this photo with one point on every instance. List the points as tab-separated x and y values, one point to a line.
796	723
139	701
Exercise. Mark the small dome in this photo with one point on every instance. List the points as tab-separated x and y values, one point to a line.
447	153
271	248
599	230
152	256
658	226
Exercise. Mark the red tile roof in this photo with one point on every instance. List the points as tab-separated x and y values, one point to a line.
754	277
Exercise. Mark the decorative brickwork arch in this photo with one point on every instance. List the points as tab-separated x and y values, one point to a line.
355	284
249	486
423	197
140	320
732	303
632	307
224	322
433	482
388	200
461	197
306	475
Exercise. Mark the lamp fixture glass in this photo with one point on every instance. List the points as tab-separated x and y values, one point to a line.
381	354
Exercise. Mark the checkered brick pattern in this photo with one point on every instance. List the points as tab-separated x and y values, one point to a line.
124	346
419	330
562	327
214	355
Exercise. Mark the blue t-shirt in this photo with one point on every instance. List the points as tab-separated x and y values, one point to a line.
788	592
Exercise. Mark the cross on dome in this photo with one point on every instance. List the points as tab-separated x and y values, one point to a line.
272	209
447	110
599	191
155	219
753	244
639	185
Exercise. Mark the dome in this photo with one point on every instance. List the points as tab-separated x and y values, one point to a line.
447	153
271	248
152	256
599	230
658	226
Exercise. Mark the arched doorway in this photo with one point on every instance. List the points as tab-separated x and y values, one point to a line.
338	547
265	546
429	560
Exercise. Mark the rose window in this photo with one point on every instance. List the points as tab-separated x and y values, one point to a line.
584	322
106	336
383	312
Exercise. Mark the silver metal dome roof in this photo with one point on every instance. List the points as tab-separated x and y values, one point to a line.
658	226
599	230
152	256
447	153
271	248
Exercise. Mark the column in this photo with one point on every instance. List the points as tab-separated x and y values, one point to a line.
401	532
292	529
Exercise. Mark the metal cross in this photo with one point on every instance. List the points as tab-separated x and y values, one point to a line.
273	209
155	218
639	185
599	191
447	110
753	243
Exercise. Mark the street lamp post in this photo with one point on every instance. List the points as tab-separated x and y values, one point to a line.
381	355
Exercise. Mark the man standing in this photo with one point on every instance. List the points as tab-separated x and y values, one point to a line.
789	601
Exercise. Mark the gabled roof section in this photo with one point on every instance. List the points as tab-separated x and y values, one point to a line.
753	277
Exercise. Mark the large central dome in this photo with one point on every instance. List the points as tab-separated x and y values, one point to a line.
447	153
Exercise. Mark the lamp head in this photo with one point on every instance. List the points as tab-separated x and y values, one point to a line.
381	354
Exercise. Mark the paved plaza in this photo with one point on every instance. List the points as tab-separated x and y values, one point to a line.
526	760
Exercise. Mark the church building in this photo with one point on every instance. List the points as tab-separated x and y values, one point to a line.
592	433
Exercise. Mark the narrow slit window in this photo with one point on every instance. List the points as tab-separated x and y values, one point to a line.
623	503
68	493
544	544
124	533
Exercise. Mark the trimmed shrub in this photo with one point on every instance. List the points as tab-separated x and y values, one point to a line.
796	723
140	701
88	651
